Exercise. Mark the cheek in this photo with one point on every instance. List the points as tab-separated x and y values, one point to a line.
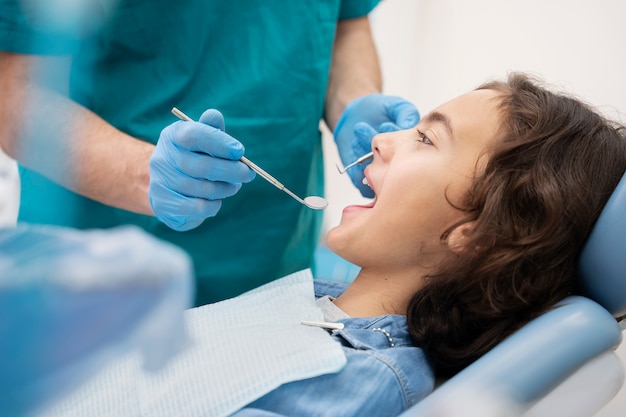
419	217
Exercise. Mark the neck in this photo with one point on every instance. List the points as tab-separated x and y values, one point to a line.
375	293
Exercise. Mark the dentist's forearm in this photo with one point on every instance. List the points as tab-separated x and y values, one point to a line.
69	144
355	69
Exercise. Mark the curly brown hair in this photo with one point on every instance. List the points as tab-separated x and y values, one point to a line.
530	212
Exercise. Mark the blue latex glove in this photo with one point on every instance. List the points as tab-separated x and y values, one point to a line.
193	167
362	119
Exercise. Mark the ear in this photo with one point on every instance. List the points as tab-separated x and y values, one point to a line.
457	239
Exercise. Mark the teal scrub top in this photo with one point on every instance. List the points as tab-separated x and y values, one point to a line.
263	64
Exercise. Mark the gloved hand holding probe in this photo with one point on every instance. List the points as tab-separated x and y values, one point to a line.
193	167
362	119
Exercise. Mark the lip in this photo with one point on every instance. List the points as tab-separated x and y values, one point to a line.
359	207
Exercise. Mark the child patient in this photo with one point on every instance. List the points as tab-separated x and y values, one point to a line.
479	215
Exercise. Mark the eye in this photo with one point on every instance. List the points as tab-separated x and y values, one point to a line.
424	138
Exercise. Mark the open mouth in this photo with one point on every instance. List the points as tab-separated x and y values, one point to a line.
368	181
369	205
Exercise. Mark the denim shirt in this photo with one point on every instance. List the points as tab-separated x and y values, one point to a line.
384	375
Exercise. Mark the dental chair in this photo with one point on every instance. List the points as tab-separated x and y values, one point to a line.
562	363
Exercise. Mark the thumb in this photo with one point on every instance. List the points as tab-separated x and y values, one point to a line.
213	118
362	142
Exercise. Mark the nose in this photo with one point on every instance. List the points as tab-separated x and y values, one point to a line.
384	144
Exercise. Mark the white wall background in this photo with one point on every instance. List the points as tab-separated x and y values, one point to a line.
434	50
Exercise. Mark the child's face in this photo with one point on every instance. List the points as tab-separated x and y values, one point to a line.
412	173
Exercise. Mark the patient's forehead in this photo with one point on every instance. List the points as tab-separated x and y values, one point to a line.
474	116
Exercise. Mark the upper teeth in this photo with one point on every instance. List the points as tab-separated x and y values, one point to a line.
365	181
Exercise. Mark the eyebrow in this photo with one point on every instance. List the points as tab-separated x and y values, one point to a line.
437	117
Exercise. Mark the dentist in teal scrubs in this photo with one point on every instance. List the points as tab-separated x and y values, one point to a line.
258	76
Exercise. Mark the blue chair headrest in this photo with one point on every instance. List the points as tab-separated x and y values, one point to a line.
602	263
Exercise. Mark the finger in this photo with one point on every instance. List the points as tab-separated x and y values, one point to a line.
388	127
404	114
179	212
214	118
365	190
203	166
364	132
194	210
363	135
198	137
204	189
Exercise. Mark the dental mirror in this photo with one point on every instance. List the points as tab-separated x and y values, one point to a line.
314	202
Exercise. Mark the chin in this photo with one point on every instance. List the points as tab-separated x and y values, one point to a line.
341	247
336	241
331	240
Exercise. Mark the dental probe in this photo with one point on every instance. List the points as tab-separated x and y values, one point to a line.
314	202
357	162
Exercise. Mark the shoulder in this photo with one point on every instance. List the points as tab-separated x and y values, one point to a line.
380	349
398	377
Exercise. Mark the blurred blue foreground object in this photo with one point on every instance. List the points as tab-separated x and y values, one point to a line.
71	301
